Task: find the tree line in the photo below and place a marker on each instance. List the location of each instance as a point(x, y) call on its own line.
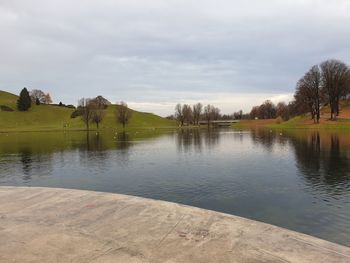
point(187, 114)
point(322, 85)
point(91, 111)
point(94, 111)
point(28, 98)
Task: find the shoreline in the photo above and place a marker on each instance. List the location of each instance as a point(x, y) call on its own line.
point(271, 124)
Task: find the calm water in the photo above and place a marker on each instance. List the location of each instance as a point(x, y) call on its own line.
point(300, 181)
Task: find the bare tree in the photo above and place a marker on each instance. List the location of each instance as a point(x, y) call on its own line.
point(39, 97)
point(335, 80)
point(101, 102)
point(48, 99)
point(85, 111)
point(215, 113)
point(197, 111)
point(98, 112)
point(187, 113)
point(308, 94)
point(282, 110)
point(208, 114)
point(269, 110)
point(179, 114)
point(123, 113)
point(254, 113)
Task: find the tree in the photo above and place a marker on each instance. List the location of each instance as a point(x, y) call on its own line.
point(282, 111)
point(308, 92)
point(335, 83)
point(215, 112)
point(123, 113)
point(254, 113)
point(85, 111)
point(179, 114)
point(197, 111)
point(238, 115)
point(208, 113)
point(267, 110)
point(48, 99)
point(98, 112)
point(187, 113)
point(101, 102)
point(24, 102)
point(39, 97)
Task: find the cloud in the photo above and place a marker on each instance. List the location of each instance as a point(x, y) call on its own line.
point(156, 53)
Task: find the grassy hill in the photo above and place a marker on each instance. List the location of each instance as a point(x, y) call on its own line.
point(8, 99)
point(304, 121)
point(50, 117)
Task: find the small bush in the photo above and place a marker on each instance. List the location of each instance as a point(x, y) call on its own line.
point(5, 108)
point(279, 120)
point(75, 114)
point(70, 106)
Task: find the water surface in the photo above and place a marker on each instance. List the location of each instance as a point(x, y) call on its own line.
point(298, 180)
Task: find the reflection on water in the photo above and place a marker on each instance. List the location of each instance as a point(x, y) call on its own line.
point(196, 139)
point(324, 163)
point(298, 180)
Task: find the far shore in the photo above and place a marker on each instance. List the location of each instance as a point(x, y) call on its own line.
point(296, 123)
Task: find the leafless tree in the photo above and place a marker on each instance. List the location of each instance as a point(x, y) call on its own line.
point(39, 97)
point(215, 113)
point(267, 110)
point(208, 113)
point(238, 115)
point(335, 82)
point(101, 102)
point(123, 113)
point(197, 111)
point(48, 99)
point(85, 111)
point(187, 114)
point(309, 91)
point(282, 111)
point(179, 114)
point(254, 113)
point(98, 112)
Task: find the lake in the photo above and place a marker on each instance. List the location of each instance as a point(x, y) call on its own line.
point(299, 180)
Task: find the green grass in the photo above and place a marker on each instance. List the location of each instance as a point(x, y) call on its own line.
point(299, 123)
point(8, 99)
point(49, 117)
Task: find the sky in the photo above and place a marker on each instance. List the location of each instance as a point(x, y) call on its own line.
point(154, 54)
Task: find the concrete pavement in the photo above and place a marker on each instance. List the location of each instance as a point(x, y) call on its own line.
point(62, 225)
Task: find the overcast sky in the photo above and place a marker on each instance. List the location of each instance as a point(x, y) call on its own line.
point(154, 54)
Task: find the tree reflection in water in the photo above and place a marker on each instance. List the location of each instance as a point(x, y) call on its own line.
point(195, 139)
point(323, 160)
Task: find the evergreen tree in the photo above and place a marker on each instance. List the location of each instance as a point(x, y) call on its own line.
point(24, 102)
point(37, 101)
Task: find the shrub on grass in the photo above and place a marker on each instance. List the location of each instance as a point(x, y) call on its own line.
point(5, 108)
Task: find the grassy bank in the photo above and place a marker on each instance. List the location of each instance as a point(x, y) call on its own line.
point(299, 122)
point(50, 118)
point(304, 121)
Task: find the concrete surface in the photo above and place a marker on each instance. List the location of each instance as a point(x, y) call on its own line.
point(59, 225)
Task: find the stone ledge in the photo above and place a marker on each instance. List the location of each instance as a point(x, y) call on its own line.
point(63, 225)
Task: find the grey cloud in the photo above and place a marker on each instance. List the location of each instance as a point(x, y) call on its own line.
point(150, 52)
